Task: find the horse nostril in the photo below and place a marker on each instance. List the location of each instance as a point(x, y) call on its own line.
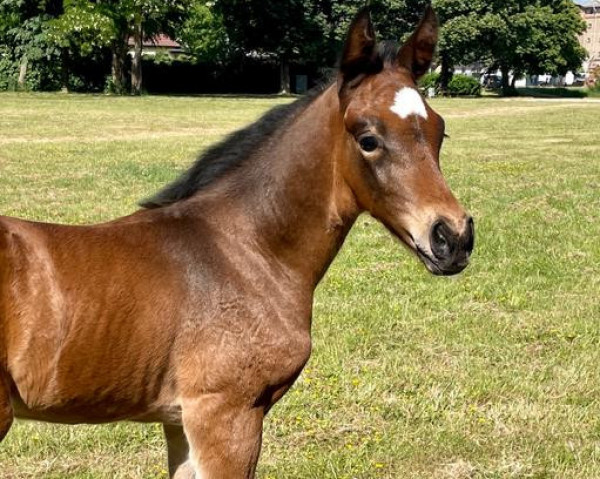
point(441, 238)
point(437, 230)
point(470, 236)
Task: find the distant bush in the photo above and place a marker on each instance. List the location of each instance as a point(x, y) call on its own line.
point(9, 72)
point(460, 85)
point(431, 80)
point(464, 85)
point(40, 76)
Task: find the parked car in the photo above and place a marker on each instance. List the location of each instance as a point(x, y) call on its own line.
point(579, 79)
point(491, 82)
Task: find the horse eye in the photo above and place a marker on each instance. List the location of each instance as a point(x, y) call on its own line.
point(368, 143)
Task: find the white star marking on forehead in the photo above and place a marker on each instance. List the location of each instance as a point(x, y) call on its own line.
point(408, 102)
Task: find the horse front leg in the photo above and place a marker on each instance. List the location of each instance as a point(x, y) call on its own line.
point(224, 437)
point(178, 453)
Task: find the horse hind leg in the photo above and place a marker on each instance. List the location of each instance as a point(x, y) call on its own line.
point(6, 410)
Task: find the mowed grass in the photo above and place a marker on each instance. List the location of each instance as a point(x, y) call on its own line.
point(494, 374)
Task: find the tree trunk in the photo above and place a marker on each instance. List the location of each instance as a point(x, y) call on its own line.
point(136, 63)
point(64, 70)
point(504, 69)
point(284, 76)
point(119, 54)
point(445, 75)
point(22, 73)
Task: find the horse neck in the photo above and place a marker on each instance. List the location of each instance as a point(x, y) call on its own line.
point(300, 206)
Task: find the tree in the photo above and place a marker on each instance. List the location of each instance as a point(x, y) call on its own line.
point(308, 30)
point(148, 18)
point(460, 35)
point(138, 19)
point(534, 37)
point(394, 19)
point(24, 41)
point(82, 29)
point(525, 36)
point(88, 25)
point(269, 28)
point(203, 33)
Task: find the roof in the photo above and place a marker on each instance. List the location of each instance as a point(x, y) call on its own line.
point(160, 40)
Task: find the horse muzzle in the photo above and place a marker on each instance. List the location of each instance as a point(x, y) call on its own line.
point(449, 250)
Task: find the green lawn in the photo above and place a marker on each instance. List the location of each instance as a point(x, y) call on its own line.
point(494, 374)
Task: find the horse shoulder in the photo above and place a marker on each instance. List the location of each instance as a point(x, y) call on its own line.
point(253, 345)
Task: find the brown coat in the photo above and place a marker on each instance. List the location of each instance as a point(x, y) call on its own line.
point(196, 311)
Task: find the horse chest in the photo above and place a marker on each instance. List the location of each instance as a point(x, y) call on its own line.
point(247, 348)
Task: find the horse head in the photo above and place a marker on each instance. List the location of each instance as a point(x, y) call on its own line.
point(392, 144)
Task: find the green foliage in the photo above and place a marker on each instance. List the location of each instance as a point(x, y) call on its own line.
point(86, 27)
point(158, 16)
point(464, 85)
point(203, 33)
point(535, 38)
point(83, 27)
point(283, 29)
point(309, 30)
point(459, 85)
point(460, 39)
point(162, 58)
point(24, 40)
point(430, 80)
point(9, 71)
point(394, 19)
point(525, 36)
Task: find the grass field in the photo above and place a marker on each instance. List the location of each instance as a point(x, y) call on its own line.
point(494, 374)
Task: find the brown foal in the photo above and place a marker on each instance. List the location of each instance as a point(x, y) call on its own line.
point(196, 310)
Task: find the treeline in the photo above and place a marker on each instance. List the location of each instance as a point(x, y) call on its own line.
point(84, 45)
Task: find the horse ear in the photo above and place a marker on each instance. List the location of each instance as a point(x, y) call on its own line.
point(417, 53)
point(358, 58)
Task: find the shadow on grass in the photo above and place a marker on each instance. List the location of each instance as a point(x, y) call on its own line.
point(224, 95)
point(550, 92)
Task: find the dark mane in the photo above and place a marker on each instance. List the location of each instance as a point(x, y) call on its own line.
point(236, 148)
point(387, 52)
point(230, 153)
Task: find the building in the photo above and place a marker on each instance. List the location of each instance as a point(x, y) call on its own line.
point(159, 44)
point(590, 39)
